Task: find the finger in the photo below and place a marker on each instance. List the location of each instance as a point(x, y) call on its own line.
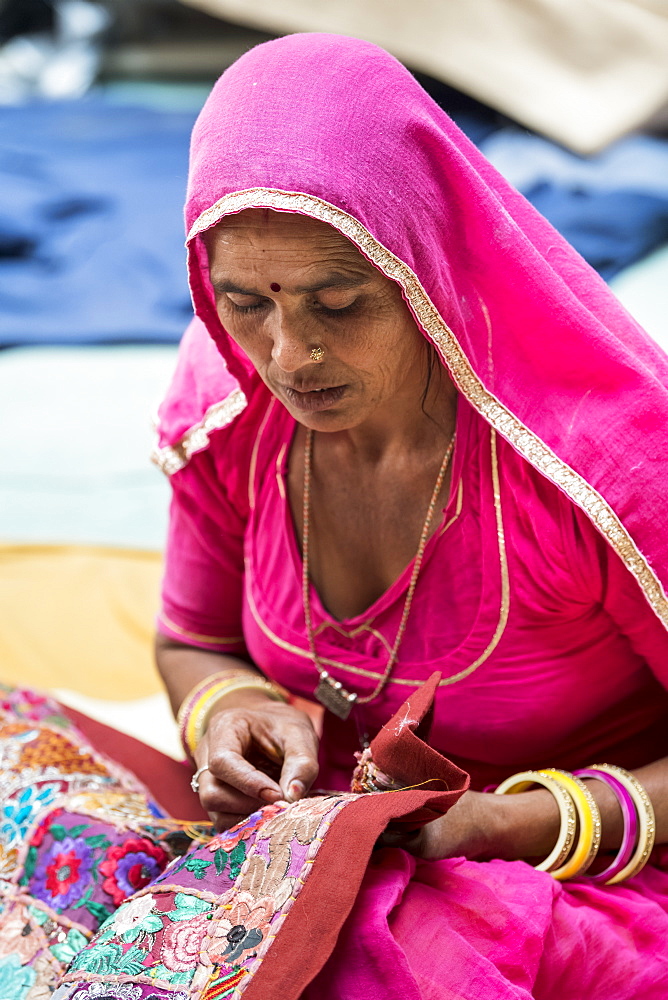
point(229, 743)
point(231, 767)
point(224, 821)
point(217, 796)
point(300, 762)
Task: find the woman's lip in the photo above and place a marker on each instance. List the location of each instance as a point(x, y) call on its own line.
point(314, 399)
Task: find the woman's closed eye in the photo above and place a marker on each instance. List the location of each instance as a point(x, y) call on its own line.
point(254, 303)
point(245, 303)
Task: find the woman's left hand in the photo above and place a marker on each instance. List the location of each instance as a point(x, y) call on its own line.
point(481, 825)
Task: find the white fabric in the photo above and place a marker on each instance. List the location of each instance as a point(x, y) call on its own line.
point(583, 72)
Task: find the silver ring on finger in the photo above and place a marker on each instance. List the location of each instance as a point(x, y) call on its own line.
point(194, 783)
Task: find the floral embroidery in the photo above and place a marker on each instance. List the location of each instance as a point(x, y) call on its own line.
point(119, 991)
point(186, 907)
point(62, 875)
point(228, 840)
point(205, 932)
point(45, 979)
point(41, 831)
point(66, 950)
point(262, 878)
point(199, 866)
point(182, 942)
point(239, 933)
point(131, 866)
point(107, 959)
point(64, 866)
point(110, 991)
point(17, 937)
point(299, 822)
point(21, 809)
point(15, 979)
point(130, 920)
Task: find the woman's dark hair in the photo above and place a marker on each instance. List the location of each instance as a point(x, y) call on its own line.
point(432, 362)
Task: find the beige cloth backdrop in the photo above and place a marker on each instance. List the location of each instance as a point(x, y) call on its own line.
point(583, 72)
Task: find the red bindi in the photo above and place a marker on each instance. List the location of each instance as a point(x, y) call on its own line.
point(275, 287)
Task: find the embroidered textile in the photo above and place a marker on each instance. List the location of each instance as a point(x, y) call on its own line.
point(95, 884)
point(242, 914)
point(78, 835)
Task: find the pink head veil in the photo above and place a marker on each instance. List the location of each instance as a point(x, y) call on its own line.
point(335, 128)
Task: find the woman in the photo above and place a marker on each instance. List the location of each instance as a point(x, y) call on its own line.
point(411, 430)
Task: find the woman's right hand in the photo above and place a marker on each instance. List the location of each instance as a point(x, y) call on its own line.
point(245, 727)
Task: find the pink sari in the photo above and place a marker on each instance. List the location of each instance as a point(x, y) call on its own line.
point(552, 641)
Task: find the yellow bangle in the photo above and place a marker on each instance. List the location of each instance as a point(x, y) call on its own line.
point(197, 689)
point(589, 817)
point(520, 783)
point(646, 822)
point(201, 710)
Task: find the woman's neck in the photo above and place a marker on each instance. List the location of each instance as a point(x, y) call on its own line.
point(410, 424)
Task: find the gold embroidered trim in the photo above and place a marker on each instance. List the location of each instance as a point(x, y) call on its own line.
point(458, 508)
point(365, 627)
point(535, 451)
point(279, 468)
point(215, 640)
point(173, 458)
point(503, 565)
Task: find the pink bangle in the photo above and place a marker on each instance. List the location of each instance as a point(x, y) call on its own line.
point(193, 696)
point(630, 817)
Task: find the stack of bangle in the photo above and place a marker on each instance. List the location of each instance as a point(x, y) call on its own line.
point(196, 707)
point(580, 831)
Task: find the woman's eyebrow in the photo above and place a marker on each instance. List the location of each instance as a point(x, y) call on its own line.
point(229, 286)
point(329, 281)
point(334, 280)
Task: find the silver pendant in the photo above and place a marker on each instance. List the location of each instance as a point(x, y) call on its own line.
point(334, 697)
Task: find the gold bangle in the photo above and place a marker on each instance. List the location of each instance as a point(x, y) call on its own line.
point(646, 821)
point(589, 818)
point(199, 717)
point(525, 779)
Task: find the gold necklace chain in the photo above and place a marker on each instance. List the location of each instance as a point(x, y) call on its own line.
point(329, 691)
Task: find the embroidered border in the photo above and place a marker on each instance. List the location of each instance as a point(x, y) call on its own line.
point(528, 444)
point(173, 458)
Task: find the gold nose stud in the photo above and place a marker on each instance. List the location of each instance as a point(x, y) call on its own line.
point(317, 354)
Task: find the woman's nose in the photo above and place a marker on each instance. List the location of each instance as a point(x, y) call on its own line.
point(291, 347)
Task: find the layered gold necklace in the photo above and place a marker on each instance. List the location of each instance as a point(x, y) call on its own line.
point(330, 692)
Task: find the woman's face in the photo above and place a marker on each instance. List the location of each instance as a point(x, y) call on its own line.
point(287, 285)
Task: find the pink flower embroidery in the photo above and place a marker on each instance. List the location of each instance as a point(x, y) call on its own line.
point(240, 933)
point(229, 839)
point(17, 937)
point(182, 943)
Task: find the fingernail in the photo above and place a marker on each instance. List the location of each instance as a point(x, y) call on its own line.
point(295, 790)
point(269, 795)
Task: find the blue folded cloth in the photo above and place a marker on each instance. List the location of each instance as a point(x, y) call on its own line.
point(612, 207)
point(91, 237)
point(91, 195)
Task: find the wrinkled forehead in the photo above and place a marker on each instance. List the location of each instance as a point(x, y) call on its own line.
point(281, 245)
point(269, 232)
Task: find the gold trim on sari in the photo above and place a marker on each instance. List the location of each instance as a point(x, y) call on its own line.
point(173, 458)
